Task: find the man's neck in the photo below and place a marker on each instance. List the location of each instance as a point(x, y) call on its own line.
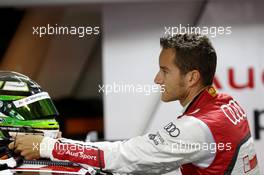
point(191, 95)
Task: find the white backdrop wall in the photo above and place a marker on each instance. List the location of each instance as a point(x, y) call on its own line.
point(130, 55)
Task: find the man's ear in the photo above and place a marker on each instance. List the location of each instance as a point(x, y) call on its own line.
point(193, 77)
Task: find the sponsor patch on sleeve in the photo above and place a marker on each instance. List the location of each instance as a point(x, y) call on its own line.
point(156, 138)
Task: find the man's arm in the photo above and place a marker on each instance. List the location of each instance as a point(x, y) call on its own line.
point(159, 152)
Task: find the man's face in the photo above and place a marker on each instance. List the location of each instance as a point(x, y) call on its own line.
point(170, 77)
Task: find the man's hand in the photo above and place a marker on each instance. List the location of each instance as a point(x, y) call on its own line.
point(27, 146)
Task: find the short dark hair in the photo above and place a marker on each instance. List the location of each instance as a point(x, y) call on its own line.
point(193, 52)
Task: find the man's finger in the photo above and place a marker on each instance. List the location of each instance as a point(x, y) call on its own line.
point(28, 158)
point(11, 145)
point(23, 153)
point(27, 155)
point(17, 149)
point(19, 138)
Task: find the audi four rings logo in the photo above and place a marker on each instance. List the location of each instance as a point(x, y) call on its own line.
point(233, 112)
point(172, 130)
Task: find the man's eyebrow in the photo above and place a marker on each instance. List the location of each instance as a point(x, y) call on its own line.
point(164, 67)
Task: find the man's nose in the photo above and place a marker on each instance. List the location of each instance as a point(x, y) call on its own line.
point(158, 78)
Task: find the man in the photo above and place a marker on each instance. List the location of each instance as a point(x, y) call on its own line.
point(212, 135)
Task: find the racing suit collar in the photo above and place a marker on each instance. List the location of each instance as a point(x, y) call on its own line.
point(185, 107)
point(207, 92)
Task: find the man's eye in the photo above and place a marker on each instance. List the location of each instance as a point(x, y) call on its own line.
point(165, 72)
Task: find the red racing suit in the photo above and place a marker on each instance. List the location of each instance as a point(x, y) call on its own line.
point(211, 137)
point(228, 123)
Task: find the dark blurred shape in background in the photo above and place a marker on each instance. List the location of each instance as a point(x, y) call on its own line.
point(68, 67)
point(10, 19)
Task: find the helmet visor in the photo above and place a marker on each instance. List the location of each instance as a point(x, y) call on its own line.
point(37, 106)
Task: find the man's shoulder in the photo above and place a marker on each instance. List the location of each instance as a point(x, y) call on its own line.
point(223, 96)
point(211, 106)
point(216, 102)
